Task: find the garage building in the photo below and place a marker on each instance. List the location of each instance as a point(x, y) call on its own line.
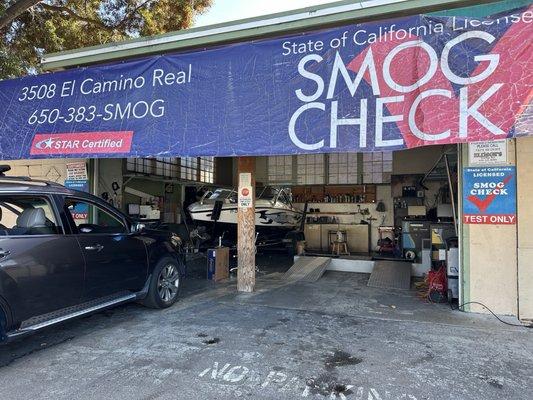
point(374, 205)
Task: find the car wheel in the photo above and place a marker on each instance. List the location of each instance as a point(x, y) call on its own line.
point(3, 324)
point(165, 284)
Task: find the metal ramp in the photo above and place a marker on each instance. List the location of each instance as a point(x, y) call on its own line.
point(391, 275)
point(307, 269)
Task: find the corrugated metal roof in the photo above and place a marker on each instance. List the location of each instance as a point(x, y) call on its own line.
point(301, 20)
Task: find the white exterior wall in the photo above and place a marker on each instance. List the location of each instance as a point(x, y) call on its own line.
point(54, 170)
point(524, 163)
point(490, 274)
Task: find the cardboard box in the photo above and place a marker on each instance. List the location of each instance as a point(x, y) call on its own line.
point(218, 264)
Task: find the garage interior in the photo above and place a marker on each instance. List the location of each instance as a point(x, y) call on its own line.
point(390, 214)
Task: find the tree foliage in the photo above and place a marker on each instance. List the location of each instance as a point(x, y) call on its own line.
point(30, 28)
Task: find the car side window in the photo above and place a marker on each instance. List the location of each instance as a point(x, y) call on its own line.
point(27, 215)
point(91, 218)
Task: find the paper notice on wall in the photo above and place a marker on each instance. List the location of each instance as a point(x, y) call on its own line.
point(77, 171)
point(245, 190)
point(488, 153)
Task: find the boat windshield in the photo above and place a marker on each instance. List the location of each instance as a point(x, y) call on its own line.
point(224, 194)
point(266, 193)
point(270, 193)
point(285, 197)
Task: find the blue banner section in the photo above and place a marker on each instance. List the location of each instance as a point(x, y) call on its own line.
point(489, 195)
point(377, 86)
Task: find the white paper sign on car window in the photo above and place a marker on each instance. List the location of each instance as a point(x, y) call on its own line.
point(245, 190)
point(488, 153)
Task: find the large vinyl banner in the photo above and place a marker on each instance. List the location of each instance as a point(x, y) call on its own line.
point(376, 86)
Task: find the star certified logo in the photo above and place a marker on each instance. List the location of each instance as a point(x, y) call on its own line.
point(45, 144)
point(108, 142)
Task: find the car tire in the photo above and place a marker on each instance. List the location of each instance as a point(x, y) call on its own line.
point(4, 324)
point(165, 284)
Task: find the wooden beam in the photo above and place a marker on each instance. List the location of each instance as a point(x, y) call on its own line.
point(246, 231)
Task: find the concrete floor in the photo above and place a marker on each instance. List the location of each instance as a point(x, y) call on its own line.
point(335, 338)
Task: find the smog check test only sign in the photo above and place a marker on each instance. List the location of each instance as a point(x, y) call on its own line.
point(489, 195)
point(245, 190)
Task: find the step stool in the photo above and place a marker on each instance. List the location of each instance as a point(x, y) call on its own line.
point(339, 248)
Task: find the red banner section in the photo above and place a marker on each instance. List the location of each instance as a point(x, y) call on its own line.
point(81, 143)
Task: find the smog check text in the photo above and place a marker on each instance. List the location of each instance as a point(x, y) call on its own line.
point(319, 97)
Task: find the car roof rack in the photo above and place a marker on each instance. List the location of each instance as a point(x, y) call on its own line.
point(28, 181)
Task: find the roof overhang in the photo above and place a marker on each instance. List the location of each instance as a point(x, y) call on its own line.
point(333, 14)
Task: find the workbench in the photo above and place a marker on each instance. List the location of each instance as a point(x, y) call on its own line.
point(357, 236)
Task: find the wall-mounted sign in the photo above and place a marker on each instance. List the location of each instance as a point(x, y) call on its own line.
point(77, 171)
point(487, 153)
point(81, 210)
point(489, 195)
point(374, 86)
point(245, 190)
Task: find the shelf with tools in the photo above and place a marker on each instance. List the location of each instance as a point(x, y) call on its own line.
point(334, 194)
point(331, 213)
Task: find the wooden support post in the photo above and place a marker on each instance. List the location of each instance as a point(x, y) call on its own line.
point(246, 226)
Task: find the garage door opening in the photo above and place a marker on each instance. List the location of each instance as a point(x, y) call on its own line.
point(392, 210)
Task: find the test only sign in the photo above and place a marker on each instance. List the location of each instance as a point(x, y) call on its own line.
point(245, 190)
point(80, 210)
point(489, 195)
point(77, 179)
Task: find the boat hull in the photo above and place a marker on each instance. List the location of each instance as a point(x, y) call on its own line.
point(265, 216)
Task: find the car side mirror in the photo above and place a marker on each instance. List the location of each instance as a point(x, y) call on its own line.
point(137, 227)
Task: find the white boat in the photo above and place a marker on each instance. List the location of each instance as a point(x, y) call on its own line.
point(273, 209)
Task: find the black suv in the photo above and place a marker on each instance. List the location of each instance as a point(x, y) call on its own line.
point(65, 253)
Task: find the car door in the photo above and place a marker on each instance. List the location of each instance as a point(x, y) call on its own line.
point(42, 268)
point(116, 260)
